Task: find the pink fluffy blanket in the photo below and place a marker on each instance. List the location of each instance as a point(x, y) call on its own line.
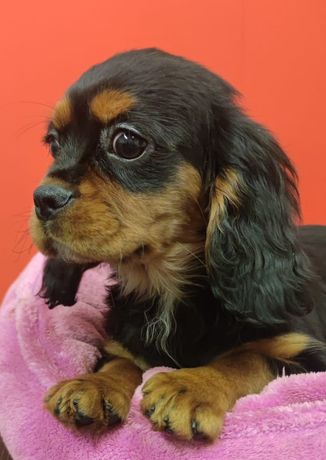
point(38, 347)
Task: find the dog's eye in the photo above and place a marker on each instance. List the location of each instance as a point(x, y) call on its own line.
point(52, 140)
point(129, 145)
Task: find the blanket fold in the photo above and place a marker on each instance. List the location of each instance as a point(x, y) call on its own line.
point(39, 347)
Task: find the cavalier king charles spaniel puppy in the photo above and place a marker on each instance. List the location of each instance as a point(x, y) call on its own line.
point(158, 172)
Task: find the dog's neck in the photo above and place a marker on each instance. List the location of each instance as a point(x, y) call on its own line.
point(163, 276)
point(151, 274)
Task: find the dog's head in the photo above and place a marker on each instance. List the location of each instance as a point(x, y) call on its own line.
point(153, 159)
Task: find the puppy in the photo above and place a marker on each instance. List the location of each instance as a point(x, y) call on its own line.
point(157, 171)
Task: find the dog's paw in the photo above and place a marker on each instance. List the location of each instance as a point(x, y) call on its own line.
point(92, 400)
point(189, 403)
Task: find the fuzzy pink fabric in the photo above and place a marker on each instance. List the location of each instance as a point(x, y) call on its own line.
point(38, 347)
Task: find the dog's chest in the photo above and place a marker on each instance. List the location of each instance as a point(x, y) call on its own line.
point(199, 332)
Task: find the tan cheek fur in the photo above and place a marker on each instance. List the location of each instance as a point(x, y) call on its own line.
point(108, 223)
point(38, 236)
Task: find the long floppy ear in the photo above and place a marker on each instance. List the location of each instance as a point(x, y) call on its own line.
point(255, 266)
point(61, 281)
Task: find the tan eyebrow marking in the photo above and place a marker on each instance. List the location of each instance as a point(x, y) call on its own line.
point(62, 113)
point(108, 104)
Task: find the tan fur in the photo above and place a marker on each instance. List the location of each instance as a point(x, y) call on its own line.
point(282, 347)
point(194, 401)
point(36, 230)
point(227, 191)
point(247, 367)
point(115, 349)
point(62, 113)
point(108, 104)
point(175, 400)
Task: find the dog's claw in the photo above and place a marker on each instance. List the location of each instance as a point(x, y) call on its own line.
point(150, 411)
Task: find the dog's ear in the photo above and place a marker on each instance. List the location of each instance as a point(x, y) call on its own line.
point(61, 281)
point(255, 266)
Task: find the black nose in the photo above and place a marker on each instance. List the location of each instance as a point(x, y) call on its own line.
point(49, 199)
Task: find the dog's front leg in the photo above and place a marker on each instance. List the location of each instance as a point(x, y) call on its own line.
point(191, 403)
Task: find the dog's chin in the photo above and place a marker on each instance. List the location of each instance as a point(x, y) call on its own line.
point(69, 255)
point(57, 249)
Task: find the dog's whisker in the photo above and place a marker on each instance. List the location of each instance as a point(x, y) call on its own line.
point(28, 127)
point(37, 103)
point(20, 247)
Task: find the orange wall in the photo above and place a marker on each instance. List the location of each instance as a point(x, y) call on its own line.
point(272, 50)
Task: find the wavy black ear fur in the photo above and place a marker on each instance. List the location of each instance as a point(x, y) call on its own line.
point(256, 267)
point(61, 281)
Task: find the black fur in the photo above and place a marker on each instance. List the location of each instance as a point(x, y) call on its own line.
point(265, 276)
point(61, 281)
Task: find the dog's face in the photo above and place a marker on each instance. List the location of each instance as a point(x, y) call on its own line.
point(128, 142)
point(154, 160)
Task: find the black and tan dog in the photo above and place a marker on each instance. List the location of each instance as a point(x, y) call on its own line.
point(158, 171)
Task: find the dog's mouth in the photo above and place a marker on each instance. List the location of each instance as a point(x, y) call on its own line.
point(53, 247)
point(74, 250)
point(68, 254)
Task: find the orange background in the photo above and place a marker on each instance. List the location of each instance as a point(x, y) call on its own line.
point(273, 51)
